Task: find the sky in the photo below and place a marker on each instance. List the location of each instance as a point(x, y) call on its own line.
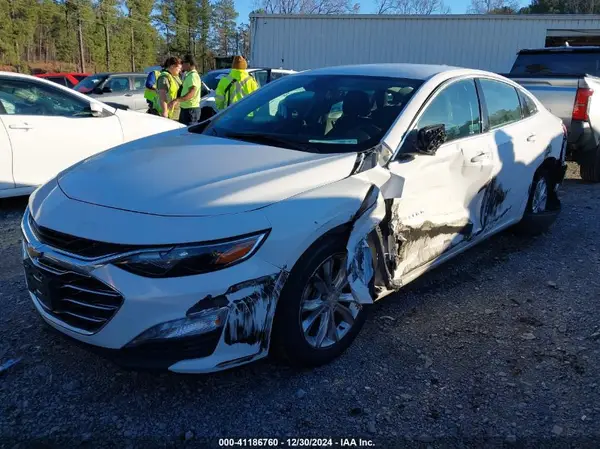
point(366, 6)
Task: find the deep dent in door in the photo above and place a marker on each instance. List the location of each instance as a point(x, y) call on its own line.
point(380, 241)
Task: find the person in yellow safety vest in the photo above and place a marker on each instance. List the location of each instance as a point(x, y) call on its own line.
point(150, 91)
point(189, 101)
point(169, 87)
point(235, 86)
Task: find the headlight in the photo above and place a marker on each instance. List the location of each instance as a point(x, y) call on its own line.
point(188, 260)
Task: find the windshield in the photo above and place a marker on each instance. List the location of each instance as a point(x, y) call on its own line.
point(88, 84)
point(318, 113)
point(211, 79)
point(557, 63)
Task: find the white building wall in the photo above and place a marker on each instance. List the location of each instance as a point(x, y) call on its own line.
point(487, 42)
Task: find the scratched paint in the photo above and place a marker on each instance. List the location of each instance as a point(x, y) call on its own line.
point(252, 307)
point(492, 209)
point(360, 263)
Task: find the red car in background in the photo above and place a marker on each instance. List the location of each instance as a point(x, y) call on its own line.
point(66, 79)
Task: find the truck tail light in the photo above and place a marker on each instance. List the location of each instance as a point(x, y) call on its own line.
point(582, 103)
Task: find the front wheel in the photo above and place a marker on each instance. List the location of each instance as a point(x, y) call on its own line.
point(317, 317)
point(543, 205)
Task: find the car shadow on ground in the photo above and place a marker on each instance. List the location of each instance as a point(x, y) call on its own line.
point(12, 205)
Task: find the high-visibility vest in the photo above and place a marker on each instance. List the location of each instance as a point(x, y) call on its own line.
point(234, 87)
point(150, 94)
point(174, 85)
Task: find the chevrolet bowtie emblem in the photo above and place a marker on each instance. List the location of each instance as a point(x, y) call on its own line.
point(33, 252)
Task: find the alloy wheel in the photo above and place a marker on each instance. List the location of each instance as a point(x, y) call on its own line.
point(327, 308)
point(540, 196)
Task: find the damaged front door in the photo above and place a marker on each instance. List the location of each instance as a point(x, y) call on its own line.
point(434, 212)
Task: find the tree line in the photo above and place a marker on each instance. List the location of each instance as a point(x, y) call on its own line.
point(116, 35)
point(120, 35)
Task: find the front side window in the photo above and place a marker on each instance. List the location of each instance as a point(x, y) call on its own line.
point(27, 98)
point(117, 84)
point(456, 107)
point(502, 102)
point(317, 113)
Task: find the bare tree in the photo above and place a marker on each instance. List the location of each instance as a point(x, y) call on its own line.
point(307, 6)
point(411, 7)
point(491, 6)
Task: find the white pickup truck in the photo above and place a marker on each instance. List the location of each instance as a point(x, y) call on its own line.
point(567, 82)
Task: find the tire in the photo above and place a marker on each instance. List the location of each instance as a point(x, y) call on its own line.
point(289, 342)
point(589, 168)
point(542, 208)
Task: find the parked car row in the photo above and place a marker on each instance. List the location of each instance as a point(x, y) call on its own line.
point(272, 227)
point(125, 90)
point(68, 79)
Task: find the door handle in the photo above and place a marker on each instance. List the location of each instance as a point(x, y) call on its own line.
point(129, 95)
point(21, 126)
point(480, 157)
point(531, 138)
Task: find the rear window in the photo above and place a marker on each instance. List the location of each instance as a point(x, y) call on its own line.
point(89, 83)
point(211, 79)
point(58, 80)
point(557, 63)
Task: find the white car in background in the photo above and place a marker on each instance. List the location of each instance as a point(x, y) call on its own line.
point(277, 223)
point(45, 128)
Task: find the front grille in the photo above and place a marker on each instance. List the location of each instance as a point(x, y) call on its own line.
point(78, 300)
point(77, 245)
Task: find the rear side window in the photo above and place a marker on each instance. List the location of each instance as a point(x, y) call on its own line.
point(260, 76)
point(557, 63)
point(58, 80)
point(527, 105)
point(456, 107)
point(502, 103)
point(139, 82)
point(276, 75)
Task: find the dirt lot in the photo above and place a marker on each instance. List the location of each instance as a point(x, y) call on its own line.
point(498, 348)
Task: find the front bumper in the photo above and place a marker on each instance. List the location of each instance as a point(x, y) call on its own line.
point(248, 290)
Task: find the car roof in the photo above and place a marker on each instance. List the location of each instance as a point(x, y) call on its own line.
point(118, 73)
point(392, 70)
point(42, 75)
point(251, 69)
point(562, 49)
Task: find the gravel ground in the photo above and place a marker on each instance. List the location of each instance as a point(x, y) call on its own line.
point(499, 347)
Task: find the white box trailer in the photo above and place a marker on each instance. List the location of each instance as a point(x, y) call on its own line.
point(488, 42)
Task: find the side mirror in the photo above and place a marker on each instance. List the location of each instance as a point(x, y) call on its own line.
point(107, 90)
point(96, 109)
point(430, 138)
point(97, 91)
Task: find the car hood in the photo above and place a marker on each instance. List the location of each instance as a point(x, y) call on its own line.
point(179, 173)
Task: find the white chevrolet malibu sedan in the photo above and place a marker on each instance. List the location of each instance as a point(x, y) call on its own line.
point(274, 226)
